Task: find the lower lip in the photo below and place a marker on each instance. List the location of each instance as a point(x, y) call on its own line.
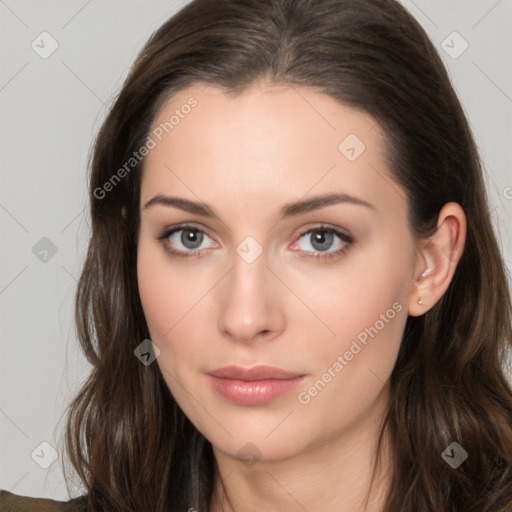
point(255, 392)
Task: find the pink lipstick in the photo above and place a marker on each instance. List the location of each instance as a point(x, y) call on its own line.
point(253, 386)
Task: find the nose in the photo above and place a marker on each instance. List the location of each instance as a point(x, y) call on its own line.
point(250, 308)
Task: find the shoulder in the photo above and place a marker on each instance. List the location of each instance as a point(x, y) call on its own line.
point(10, 502)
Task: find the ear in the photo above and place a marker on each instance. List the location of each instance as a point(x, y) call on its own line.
point(437, 259)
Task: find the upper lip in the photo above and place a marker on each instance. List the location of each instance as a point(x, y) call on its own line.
point(254, 373)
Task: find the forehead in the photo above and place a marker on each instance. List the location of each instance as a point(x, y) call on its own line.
point(267, 142)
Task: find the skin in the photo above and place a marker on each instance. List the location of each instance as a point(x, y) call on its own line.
point(246, 157)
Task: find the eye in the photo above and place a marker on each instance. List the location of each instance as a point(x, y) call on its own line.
point(326, 242)
point(184, 240)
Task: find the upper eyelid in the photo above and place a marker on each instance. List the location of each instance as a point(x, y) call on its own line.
point(325, 227)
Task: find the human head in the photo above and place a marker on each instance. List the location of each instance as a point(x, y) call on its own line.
point(369, 55)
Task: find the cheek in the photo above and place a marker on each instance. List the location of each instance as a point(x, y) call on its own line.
point(166, 292)
point(352, 296)
point(351, 367)
point(175, 303)
point(155, 292)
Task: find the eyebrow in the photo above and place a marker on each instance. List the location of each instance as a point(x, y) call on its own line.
point(288, 210)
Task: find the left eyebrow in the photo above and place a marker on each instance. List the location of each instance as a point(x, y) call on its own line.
point(288, 210)
point(317, 202)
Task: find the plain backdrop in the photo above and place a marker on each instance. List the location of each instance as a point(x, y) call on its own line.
point(52, 107)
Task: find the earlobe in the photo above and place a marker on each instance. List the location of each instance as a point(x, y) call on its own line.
point(439, 256)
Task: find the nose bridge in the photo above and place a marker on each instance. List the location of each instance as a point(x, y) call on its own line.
point(249, 305)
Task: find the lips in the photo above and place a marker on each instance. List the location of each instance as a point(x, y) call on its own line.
point(253, 386)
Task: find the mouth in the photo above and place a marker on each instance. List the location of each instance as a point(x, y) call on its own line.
point(253, 386)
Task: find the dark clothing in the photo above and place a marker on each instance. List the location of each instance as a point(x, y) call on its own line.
point(10, 502)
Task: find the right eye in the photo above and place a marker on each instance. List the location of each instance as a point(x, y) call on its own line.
point(184, 241)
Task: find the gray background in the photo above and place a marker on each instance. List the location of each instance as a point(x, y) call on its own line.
point(50, 110)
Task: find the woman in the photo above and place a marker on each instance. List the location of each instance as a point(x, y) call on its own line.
point(293, 297)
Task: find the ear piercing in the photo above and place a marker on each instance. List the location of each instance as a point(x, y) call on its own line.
point(420, 302)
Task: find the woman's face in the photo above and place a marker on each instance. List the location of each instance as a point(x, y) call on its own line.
point(254, 268)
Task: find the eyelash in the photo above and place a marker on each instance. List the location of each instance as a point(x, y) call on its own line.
point(327, 256)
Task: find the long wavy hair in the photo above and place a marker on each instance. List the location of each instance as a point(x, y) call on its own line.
point(129, 442)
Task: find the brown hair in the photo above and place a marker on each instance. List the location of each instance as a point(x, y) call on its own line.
point(131, 444)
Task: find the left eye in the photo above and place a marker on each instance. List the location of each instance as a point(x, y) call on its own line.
point(323, 239)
